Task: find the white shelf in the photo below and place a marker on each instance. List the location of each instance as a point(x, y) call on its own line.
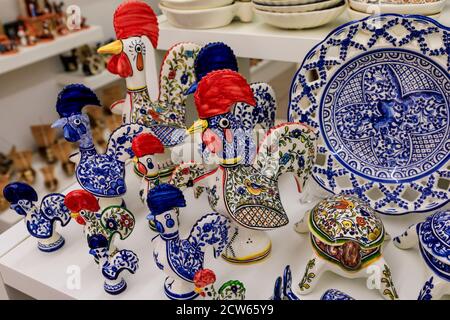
point(44, 276)
point(267, 70)
point(259, 40)
point(45, 50)
point(94, 82)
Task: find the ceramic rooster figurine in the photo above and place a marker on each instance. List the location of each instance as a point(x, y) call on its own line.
point(40, 221)
point(112, 221)
point(204, 285)
point(148, 103)
point(100, 229)
point(247, 193)
point(179, 258)
point(103, 175)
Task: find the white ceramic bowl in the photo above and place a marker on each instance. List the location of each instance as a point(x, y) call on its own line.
point(356, 15)
point(208, 18)
point(298, 8)
point(284, 2)
point(195, 4)
point(302, 20)
point(425, 9)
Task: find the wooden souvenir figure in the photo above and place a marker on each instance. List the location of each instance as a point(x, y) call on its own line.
point(102, 174)
point(40, 221)
point(100, 230)
point(179, 258)
point(6, 164)
point(62, 150)
point(22, 162)
point(45, 137)
point(204, 285)
point(4, 180)
point(146, 103)
point(50, 181)
point(347, 237)
point(432, 236)
point(245, 184)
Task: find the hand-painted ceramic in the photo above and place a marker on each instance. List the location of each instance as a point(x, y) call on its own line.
point(346, 236)
point(100, 229)
point(180, 258)
point(376, 91)
point(40, 221)
point(335, 295)
point(425, 9)
point(244, 186)
point(204, 281)
point(298, 8)
point(433, 238)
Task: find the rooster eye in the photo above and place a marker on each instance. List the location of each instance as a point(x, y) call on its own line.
point(224, 123)
point(77, 122)
point(138, 48)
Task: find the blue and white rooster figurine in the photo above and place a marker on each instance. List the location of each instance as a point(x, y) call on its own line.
point(40, 221)
point(179, 258)
point(103, 175)
point(101, 229)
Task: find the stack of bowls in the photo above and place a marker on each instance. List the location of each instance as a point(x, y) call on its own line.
point(298, 14)
point(205, 14)
point(359, 9)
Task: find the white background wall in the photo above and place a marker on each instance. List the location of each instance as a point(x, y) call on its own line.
point(28, 95)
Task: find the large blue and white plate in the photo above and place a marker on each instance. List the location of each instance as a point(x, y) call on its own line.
point(377, 91)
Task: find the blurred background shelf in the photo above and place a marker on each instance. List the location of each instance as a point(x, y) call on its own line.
point(94, 82)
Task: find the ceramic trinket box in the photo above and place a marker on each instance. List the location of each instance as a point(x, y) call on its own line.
point(178, 258)
point(100, 229)
point(433, 239)
point(347, 237)
point(40, 222)
point(204, 281)
point(245, 184)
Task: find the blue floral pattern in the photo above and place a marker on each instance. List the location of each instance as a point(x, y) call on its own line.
point(434, 234)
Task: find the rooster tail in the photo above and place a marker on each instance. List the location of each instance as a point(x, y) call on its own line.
point(232, 290)
point(289, 147)
point(212, 229)
point(188, 175)
point(54, 209)
point(121, 261)
point(117, 220)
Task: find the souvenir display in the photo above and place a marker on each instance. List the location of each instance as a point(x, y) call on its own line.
point(180, 259)
point(6, 164)
point(40, 222)
point(4, 180)
point(378, 99)
point(307, 16)
point(62, 150)
point(100, 230)
point(208, 18)
point(283, 289)
point(84, 58)
point(103, 175)
point(245, 184)
point(204, 285)
point(433, 239)
point(347, 238)
point(425, 8)
point(50, 181)
point(45, 137)
point(22, 162)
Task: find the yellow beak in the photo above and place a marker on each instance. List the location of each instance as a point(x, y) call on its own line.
point(198, 290)
point(198, 126)
point(114, 47)
point(74, 215)
point(135, 159)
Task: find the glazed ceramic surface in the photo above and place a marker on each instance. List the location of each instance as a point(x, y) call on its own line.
point(208, 18)
point(284, 2)
point(40, 221)
point(298, 8)
point(195, 4)
point(301, 20)
point(426, 9)
point(376, 91)
point(346, 236)
point(204, 281)
point(356, 15)
point(433, 238)
point(335, 295)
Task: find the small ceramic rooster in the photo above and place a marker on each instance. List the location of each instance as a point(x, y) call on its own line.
point(179, 258)
point(204, 285)
point(40, 221)
point(100, 230)
point(102, 174)
point(248, 193)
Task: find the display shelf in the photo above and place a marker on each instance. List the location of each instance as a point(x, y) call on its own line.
point(45, 50)
point(259, 40)
point(94, 82)
point(45, 276)
point(267, 70)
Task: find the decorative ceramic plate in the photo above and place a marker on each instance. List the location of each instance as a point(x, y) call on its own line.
point(195, 4)
point(298, 8)
point(377, 91)
point(284, 2)
point(301, 20)
point(425, 9)
point(356, 15)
